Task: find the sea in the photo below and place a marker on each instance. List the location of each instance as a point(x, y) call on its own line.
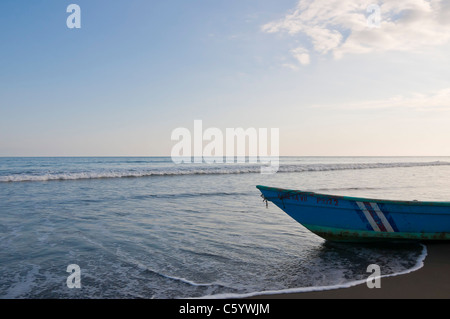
point(147, 227)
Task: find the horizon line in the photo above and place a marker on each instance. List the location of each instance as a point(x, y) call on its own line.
point(91, 156)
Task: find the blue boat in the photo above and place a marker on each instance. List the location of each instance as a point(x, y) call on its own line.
point(352, 219)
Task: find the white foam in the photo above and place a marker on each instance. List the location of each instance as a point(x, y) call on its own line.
point(206, 169)
point(22, 285)
point(419, 264)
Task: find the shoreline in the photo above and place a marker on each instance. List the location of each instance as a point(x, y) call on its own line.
point(431, 281)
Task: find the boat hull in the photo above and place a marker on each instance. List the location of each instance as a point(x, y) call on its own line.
point(351, 219)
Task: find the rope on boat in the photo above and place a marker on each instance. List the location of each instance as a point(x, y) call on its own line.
point(265, 200)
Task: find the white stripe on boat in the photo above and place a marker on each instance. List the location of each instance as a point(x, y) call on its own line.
point(368, 216)
point(380, 214)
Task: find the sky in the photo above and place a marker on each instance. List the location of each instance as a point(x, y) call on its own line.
point(336, 77)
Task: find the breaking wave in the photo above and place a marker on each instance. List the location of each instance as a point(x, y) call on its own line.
point(204, 169)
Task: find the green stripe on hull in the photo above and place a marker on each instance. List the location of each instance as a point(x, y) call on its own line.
point(346, 235)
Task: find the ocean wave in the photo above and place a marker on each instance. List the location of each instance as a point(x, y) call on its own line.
point(211, 169)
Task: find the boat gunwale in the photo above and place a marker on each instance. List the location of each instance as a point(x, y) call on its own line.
point(358, 199)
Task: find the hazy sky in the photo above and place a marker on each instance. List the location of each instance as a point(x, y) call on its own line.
point(333, 83)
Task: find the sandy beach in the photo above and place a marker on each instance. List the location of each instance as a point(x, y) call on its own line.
point(432, 281)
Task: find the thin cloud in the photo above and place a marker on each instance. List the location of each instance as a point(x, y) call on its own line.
point(290, 66)
point(342, 27)
point(301, 55)
point(436, 100)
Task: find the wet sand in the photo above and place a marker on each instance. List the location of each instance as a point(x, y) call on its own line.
point(432, 281)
